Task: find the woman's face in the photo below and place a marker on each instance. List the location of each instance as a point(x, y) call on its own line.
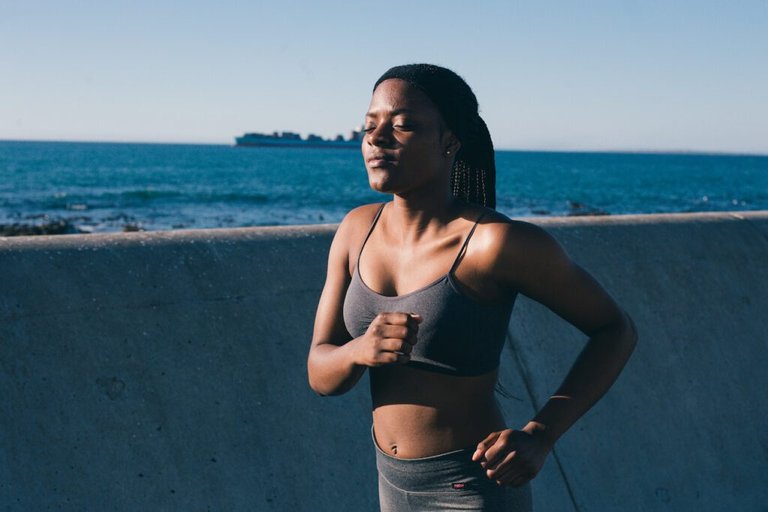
point(405, 140)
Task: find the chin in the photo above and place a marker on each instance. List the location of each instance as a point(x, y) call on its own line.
point(380, 183)
point(381, 187)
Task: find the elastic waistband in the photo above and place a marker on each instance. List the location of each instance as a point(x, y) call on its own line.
point(453, 471)
point(451, 476)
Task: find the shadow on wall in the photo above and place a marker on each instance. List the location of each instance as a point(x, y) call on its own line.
point(166, 370)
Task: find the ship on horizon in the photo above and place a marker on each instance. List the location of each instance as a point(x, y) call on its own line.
point(291, 139)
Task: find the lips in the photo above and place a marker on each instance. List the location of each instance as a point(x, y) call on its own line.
point(379, 159)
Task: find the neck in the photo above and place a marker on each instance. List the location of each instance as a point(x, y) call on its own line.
point(413, 216)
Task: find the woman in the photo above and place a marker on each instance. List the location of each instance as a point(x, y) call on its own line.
point(419, 291)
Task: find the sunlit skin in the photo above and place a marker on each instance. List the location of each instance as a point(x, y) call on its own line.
point(409, 153)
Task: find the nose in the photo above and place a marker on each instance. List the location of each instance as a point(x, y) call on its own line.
point(380, 136)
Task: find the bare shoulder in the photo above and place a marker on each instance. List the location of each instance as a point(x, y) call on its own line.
point(350, 233)
point(360, 216)
point(504, 235)
point(356, 222)
point(514, 250)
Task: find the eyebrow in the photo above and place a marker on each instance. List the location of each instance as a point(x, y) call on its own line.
point(393, 113)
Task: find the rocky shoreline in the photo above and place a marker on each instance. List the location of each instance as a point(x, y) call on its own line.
point(52, 227)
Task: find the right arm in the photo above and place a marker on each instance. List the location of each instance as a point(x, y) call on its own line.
point(336, 362)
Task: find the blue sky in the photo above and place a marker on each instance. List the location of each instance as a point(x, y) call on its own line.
point(561, 75)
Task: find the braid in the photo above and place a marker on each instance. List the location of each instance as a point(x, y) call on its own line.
point(473, 177)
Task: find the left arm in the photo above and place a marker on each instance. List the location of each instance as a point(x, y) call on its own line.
point(532, 262)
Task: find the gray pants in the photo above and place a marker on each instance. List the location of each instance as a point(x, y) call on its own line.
point(448, 481)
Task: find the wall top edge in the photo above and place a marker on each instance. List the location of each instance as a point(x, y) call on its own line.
point(223, 235)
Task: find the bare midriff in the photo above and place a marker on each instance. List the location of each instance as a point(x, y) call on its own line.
point(417, 413)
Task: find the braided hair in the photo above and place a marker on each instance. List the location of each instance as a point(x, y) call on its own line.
point(473, 177)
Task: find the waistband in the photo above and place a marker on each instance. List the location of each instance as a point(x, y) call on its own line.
point(451, 475)
point(433, 472)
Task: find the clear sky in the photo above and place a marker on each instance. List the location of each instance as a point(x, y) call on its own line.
point(564, 75)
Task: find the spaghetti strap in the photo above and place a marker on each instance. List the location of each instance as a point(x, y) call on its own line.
point(464, 245)
point(370, 230)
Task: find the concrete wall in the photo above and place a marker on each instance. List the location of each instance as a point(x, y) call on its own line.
point(166, 371)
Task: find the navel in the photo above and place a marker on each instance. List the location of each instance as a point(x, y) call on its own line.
point(394, 449)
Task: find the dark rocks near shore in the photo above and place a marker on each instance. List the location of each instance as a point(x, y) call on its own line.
point(41, 224)
point(577, 209)
point(131, 227)
point(51, 227)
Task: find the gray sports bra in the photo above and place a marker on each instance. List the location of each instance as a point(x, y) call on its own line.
point(458, 335)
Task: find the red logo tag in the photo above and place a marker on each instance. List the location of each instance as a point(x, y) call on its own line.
point(458, 485)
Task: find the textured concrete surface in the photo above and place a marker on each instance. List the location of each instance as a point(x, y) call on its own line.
point(166, 371)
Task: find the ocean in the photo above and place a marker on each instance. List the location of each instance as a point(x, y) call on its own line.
point(103, 187)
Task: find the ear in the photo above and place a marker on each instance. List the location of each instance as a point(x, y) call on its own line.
point(451, 144)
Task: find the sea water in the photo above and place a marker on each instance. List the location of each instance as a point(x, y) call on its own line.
point(116, 186)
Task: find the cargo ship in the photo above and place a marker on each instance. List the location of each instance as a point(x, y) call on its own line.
point(294, 140)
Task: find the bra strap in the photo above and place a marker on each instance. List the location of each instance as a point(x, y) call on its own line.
point(370, 230)
point(464, 245)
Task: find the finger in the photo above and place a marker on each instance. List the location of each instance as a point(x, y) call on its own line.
point(414, 320)
point(503, 464)
point(393, 331)
point(409, 320)
point(384, 330)
point(396, 345)
point(385, 358)
point(501, 448)
point(387, 330)
point(483, 446)
point(506, 472)
point(516, 472)
point(396, 318)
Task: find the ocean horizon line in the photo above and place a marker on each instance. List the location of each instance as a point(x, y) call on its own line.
point(106, 186)
point(619, 151)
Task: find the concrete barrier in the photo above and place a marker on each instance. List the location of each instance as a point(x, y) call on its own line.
point(166, 371)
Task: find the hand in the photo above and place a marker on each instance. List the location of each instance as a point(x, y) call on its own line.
point(389, 339)
point(513, 457)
